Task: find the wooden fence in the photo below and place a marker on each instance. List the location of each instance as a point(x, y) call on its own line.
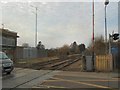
point(104, 63)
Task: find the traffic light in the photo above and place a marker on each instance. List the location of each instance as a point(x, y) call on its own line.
point(115, 36)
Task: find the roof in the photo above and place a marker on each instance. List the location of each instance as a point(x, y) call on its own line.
point(8, 32)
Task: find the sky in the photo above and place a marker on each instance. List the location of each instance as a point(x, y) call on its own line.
point(59, 23)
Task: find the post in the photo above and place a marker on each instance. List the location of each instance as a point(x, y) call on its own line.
point(36, 29)
point(106, 31)
point(35, 24)
point(110, 44)
point(93, 38)
point(106, 3)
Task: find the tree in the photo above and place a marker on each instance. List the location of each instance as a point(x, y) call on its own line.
point(81, 47)
point(40, 45)
point(25, 45)
point(99, 46)
point(52, 52)
point(64, 50)
point(74, 48)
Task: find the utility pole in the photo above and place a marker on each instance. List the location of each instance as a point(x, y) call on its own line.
point(36, 28)
point(93, 38)
point(106, 3)
point(36, 9)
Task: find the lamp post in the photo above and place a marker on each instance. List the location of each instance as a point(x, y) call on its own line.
point(106, 3)
point(36, 9)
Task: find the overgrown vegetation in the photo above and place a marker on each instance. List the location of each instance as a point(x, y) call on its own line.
point(66, 50)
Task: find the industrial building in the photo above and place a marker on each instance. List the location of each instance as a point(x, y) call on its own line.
point(8, 42)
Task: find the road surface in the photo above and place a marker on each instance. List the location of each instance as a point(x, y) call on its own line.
point(28, 78)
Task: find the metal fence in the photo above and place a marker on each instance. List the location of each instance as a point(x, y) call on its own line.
point(29, 53)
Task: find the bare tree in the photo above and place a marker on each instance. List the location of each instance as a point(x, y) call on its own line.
point(64, 49)
point(81, 47)
point(99, 46)
point(74, 48)
point(52, 52)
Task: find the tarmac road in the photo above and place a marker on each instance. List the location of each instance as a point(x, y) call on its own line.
point(82, 80)
point(28, 78)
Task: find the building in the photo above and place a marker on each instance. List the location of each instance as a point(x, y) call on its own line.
point(8, 42)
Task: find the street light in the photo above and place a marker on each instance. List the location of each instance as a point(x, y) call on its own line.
point(106, 3)
point(36, 9)
point(35, 24)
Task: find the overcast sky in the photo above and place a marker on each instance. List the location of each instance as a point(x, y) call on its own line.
point(59, 23)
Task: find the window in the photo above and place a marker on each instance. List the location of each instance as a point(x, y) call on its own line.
point(3, 56)
point(8, 41)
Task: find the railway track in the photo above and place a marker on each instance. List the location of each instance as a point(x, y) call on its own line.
point(58, 65)
point(61, 65)
point(39, 65)
point(47, 64)
point(52, 64)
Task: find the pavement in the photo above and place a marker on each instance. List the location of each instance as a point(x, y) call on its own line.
point(28, 78)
